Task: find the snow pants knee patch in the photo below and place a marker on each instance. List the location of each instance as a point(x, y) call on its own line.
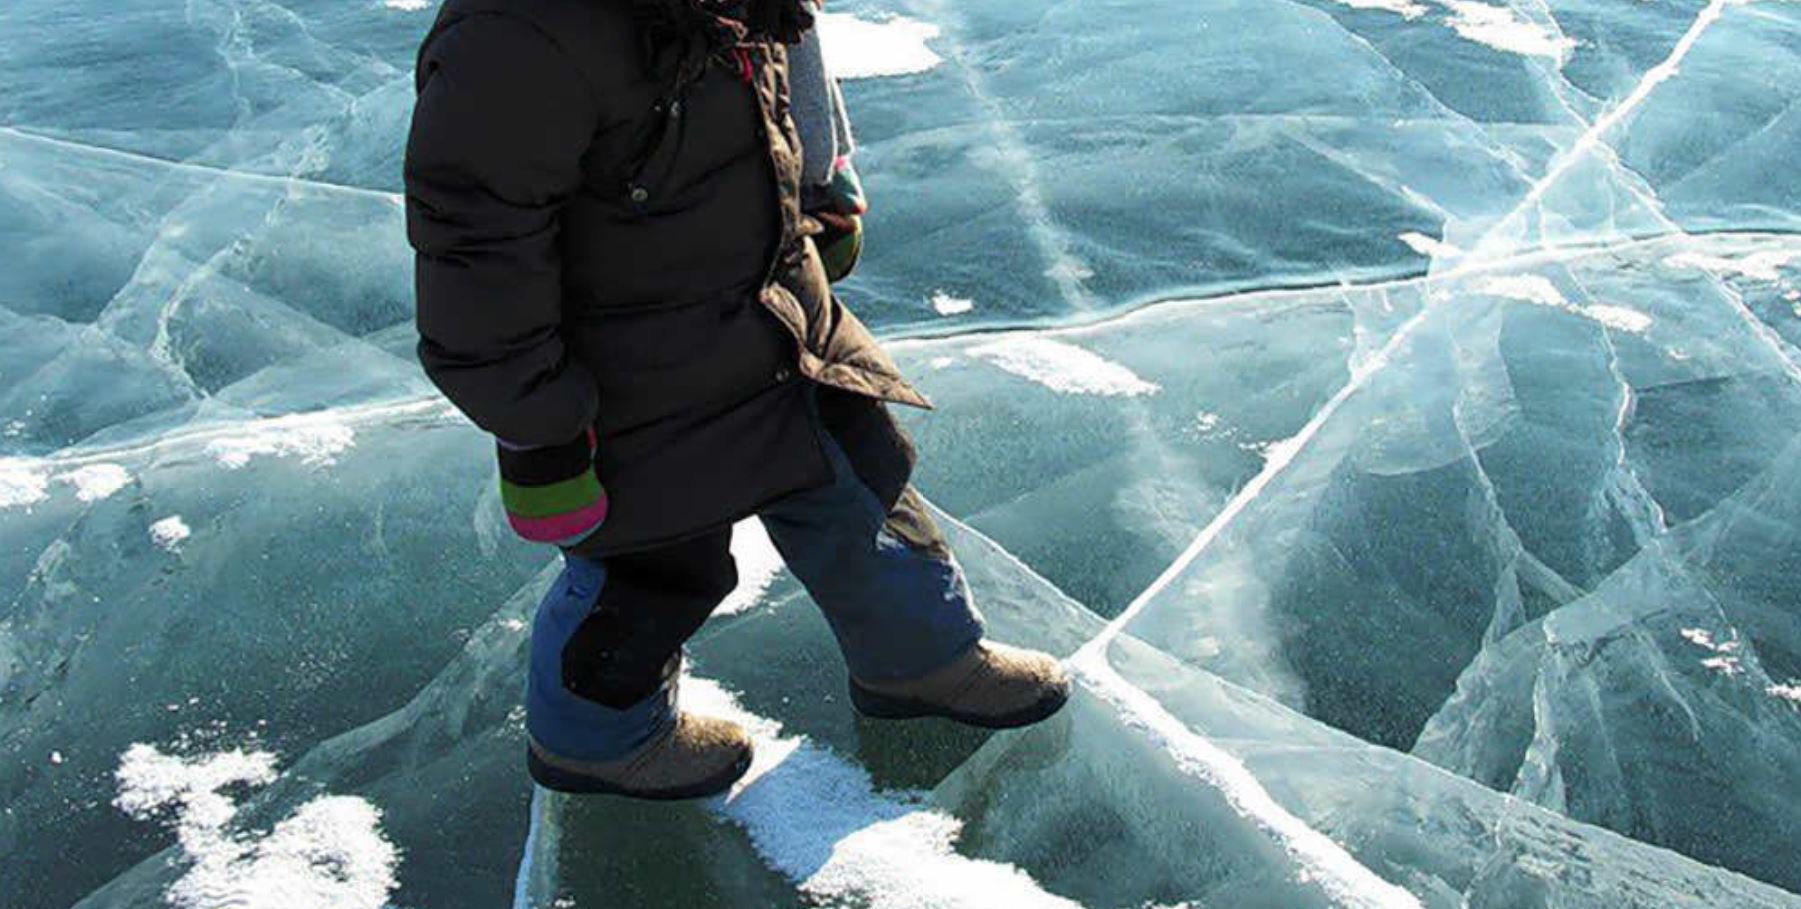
point(629, 646)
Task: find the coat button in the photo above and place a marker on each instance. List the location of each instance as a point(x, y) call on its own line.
point(783, 374)
point(640, 195)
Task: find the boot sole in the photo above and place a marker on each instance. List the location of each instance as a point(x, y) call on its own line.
point(883, 707)
point(559, 780)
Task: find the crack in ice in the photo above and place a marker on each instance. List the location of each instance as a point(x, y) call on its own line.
point(1091, 661)
point(1064, 267)
point(204, 170)
point(1321, 861)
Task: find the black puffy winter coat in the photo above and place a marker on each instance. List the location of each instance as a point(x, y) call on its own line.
point(609, 235)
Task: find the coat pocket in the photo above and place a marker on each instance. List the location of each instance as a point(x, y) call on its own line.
point(703, 471)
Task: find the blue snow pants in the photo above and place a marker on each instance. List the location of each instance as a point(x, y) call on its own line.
point(606, 642)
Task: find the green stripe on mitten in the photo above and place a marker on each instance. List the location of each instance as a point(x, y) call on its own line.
point(552, 494)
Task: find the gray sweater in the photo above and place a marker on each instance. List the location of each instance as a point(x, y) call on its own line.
point(818, 111)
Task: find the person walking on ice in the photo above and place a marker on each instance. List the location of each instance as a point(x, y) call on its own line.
point(619, 276)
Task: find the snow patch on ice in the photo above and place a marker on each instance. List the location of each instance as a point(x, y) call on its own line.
point(1539, 291)
point(1764, 266)
point(1504, 29)
point(1725, 660)
point(1499, 27)
point(1404, 8)
point(1790, 692)
point(1535, 289)
point(330, 854)
point(1618, 317)
point(1429, 246)
point(1276, 450)
point(758, 565)
point(1063, 367)
point(94, 482)
point(316, 440)
point(407, 6)
point(867, 48)
point(170, 532)
point(22, 484)
point(947, 305)
point(1724, 665)
point(1699, 637)
point(150, 780)
point(818, 819)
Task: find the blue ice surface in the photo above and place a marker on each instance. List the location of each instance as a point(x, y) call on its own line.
point(1389, 406)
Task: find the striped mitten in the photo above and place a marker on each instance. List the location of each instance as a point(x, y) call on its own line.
point(840, 242)
point(552, 494)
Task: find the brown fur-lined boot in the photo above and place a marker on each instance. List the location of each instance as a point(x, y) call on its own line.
point(993, 686)
point(697, 757)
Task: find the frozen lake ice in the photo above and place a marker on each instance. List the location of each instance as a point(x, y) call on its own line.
point(1392, 409)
